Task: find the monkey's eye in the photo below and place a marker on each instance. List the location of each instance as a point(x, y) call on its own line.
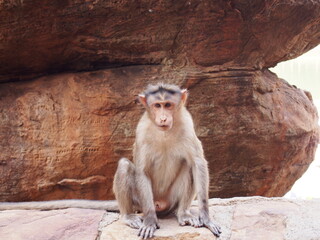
point(157, 105)
point(167, 105)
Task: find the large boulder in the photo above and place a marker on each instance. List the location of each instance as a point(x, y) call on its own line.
point(61, 136)
point(40, 37)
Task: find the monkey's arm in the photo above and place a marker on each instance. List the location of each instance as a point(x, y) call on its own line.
point(145, 193)
point(150, 221)
point(201, 178)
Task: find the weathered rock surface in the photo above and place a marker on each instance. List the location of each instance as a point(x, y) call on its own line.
point(61, 136)
point(41, 37)
point(71, 224)
point(240, 219)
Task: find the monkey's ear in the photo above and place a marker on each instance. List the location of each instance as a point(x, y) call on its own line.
point(142, 99)
point(184, 96)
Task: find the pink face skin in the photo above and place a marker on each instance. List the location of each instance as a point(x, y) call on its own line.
point(162, 113)
point(162, 106)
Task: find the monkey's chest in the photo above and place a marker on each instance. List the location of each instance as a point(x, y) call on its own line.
point(164, 172)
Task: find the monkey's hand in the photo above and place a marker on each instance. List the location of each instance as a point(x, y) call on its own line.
point(208, 223)
point(149, 225)
point(187, 218)
point(133, 220)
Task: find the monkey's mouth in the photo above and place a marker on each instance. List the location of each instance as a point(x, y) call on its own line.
point(164, 127)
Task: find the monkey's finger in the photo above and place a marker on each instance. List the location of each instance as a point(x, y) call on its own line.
point(194, 222)
point(216, 226)
point(201, 222)
point(190, 222)
point(141, 231)
point(219, 229)
point(197, 222)
point(150, 233)
point(136, 225)
point(145, 235)
point(213, 228)
point(182, 223)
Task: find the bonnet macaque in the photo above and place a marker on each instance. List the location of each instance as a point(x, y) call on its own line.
point(168, 169)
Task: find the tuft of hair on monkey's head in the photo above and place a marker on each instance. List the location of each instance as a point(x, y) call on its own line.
point(162, 101)
point(163, 92)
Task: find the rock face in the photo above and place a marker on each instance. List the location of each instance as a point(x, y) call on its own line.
point(41, 37)
point(63, 135)
point(240, 219)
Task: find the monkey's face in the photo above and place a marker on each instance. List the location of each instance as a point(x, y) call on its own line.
point(162, 103)
point(162, 114)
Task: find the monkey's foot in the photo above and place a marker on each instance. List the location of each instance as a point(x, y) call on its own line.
point(188, 218)
point(212, 226)
point(133, 220)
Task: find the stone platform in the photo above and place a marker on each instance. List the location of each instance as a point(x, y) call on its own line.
point(240, 218)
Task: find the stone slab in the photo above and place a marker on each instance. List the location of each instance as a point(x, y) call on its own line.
point(249, 218)
point(66, 224)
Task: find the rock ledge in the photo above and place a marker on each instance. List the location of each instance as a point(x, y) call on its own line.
point(240, 218)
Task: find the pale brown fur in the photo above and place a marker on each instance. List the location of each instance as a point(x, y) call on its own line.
point(168, 170)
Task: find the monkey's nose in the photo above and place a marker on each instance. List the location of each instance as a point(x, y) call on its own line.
point(163, 119)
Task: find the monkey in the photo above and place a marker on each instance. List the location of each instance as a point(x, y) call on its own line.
point(169, 168)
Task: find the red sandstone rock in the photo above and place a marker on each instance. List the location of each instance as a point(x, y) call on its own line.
point(42, 37)
point(61, 136)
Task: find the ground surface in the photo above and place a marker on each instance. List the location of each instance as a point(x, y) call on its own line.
point(240, 218)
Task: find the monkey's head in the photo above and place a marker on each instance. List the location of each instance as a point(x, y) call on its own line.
point(163, 102)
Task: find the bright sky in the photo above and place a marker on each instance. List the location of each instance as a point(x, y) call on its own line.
point(304, 72)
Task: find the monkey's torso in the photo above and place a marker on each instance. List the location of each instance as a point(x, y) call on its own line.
point(164, 151)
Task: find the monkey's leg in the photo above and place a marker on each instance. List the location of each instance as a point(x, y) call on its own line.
point(201, 181)
point(124, 190)
point(183, 193)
